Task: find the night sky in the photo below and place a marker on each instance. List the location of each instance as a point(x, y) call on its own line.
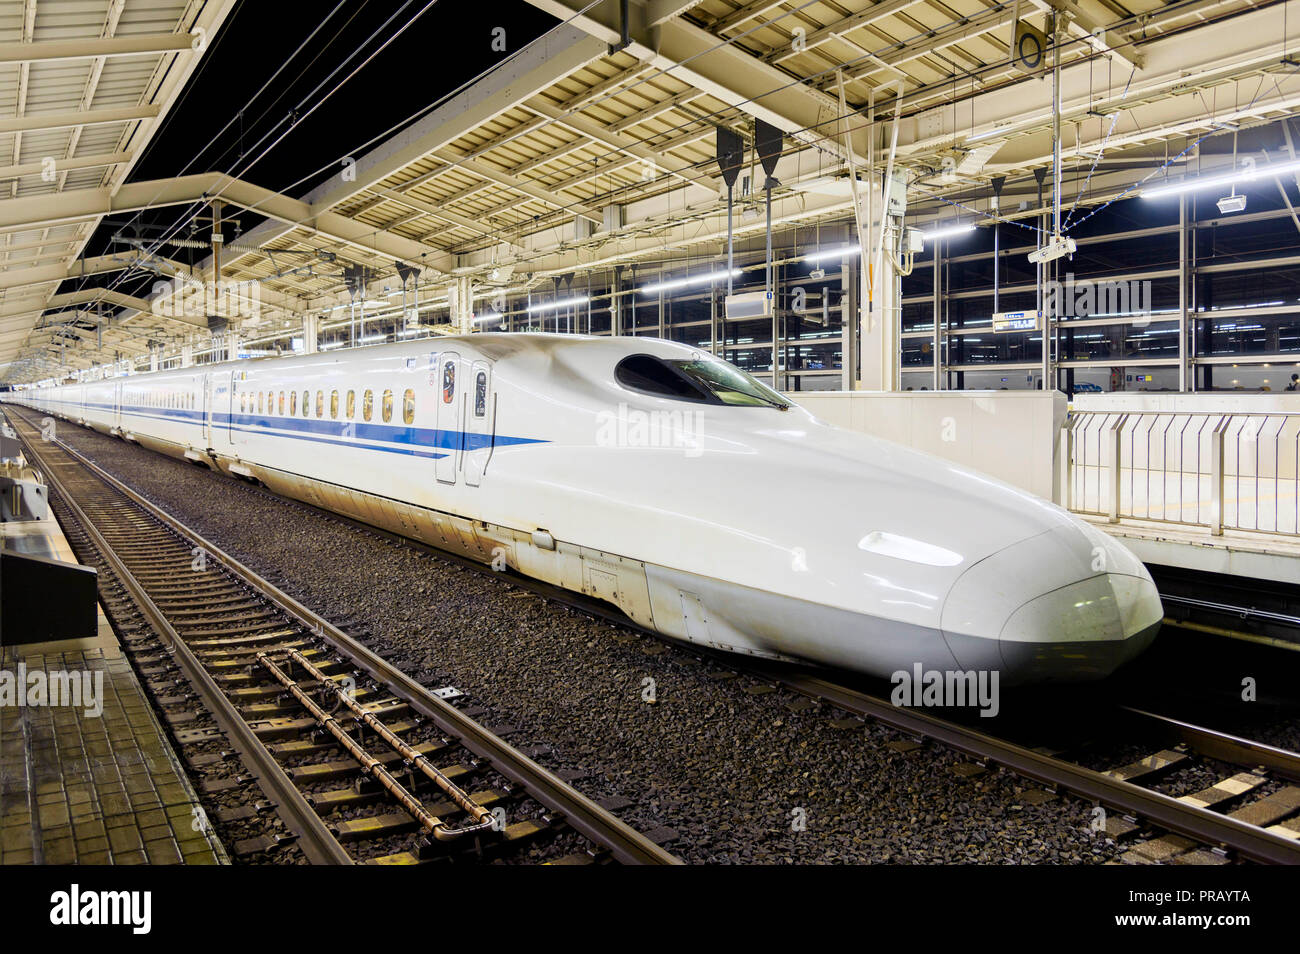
point(448, 43)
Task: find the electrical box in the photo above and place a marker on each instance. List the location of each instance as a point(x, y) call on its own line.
point(898, 194)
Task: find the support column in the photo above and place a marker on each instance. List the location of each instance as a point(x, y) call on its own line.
point(878, 305)
point(460, 295)
point(187, 355)
point(310, 333)
point(155, 348)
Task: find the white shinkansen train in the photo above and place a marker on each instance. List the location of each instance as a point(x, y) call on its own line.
point(667, 482)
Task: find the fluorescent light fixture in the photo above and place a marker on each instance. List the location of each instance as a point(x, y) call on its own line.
point(490, 316)
point(844, 251)
point(330, 345)
point(707, 278)
point(944, 231)
point(561, 303)
point(1244, 174)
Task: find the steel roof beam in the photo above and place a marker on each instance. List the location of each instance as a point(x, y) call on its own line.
point(64, 165)
point(1176, 66)
point(722, 70)
point(44, 210)
point(148, 44)
point(93, 117)
point(837, 30)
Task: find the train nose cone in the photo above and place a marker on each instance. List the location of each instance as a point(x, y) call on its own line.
point(1069, 604)
point(1082, 631)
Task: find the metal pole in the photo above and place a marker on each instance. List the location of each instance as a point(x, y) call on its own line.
point(1182, 292)
point(937, 346)
point(713, 321)
point(1056, 129)
point(730, 243)
point(767, 286)
point(1049, 314)
point(217, 241)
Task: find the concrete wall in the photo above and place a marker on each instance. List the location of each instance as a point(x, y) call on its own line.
point(1011, 435)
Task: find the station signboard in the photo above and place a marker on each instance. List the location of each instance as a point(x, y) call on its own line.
point(1017, 320)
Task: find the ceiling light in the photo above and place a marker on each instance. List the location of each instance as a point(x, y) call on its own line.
point(945, 231)
point(561, 303)
point(1244, 174)
point(707, 278)
point(844, 251)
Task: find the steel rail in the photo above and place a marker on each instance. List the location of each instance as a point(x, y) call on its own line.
point(1222, 745)
point(1200, 824)
point(602, 827)
point(318, 843)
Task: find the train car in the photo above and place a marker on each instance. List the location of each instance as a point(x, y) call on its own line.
point(669, 483)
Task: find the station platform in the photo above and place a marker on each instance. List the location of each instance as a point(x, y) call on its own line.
point(87, 775)
point(1259, 556)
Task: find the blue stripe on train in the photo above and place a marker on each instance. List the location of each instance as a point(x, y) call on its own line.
point(342, 433)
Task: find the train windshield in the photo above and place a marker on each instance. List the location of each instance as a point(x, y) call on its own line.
point(729, 384)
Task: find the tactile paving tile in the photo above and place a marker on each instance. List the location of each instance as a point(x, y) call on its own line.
point(80, 787)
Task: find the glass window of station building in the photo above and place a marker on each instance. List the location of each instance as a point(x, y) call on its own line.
point(1241, 273)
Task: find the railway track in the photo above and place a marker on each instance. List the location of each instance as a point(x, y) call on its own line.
point(1252, 813)
point(308, 744)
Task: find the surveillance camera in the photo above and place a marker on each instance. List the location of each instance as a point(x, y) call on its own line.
point(817, 274)
point(1057, 247)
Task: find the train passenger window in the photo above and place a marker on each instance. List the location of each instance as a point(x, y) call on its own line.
point(281, 402)
point(293, 403)
point(387, 410)
point(261, 396)
point(408, 406)
point(243, 404)
point(352, 404)
point(306, 402)
point(320, 403)
point(334, 404)
point(480, 394)
point(367, 405)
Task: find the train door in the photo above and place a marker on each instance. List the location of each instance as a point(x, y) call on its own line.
point(236, 391)
point(448, 423)
point(480, 421)
point(207, 410)
point(116, 413)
